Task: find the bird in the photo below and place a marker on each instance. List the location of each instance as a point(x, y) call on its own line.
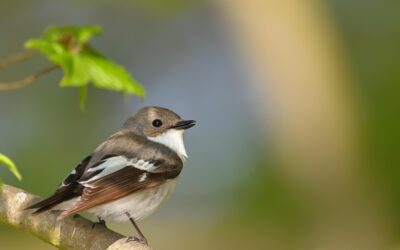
point(129, 175)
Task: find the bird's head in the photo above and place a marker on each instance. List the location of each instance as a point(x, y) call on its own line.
point(160, 125)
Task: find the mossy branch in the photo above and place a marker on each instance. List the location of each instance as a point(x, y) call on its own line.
point(70, 233)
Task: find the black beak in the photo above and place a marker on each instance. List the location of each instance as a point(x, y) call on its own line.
point(184, 124)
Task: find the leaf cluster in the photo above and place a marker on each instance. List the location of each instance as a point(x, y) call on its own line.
point(69, 48)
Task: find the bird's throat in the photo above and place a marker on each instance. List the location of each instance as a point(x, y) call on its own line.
point(173, 139)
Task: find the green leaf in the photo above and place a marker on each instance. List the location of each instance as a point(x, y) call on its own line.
point(69, 47)
point(68, 35)
point(103, 73)
point(58, 44)
point(76, 74)
point(10, 165)
point(53, 51)
point(81, 34)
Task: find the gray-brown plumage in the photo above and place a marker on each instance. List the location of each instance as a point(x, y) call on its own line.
point(130, 174)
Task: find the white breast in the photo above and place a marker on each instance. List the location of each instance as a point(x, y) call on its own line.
point(139, 205)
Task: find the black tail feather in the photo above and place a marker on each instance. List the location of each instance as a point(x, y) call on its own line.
point(67, 190)
point(42, 206)
point(49, 203)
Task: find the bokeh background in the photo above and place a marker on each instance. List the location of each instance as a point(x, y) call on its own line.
point(297, 107)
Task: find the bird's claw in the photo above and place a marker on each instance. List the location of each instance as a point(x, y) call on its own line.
point(102, 223)
point(140, 240)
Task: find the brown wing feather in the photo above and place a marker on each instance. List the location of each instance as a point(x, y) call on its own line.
point(115, 186)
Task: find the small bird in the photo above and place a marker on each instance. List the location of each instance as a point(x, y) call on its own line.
point(129, 175)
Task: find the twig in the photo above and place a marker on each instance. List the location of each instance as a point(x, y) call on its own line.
point(17, 57)
point(27, 80)
point(70, 233)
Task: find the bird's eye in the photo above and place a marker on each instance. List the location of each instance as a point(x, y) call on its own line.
point(157, 123)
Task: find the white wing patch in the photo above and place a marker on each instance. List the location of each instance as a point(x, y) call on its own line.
point(113, 164)
point(142, 177)
point(143, 165)
point(173, 139)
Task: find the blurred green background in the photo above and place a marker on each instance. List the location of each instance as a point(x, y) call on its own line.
point(236, 190)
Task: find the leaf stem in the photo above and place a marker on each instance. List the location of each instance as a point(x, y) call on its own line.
point(17, 57)
point(27, 80)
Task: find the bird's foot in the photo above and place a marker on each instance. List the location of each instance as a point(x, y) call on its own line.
point(100, 222)
point(142, 240)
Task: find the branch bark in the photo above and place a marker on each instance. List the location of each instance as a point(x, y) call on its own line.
point(70, 233)
point(17, 57)
point(27, 80)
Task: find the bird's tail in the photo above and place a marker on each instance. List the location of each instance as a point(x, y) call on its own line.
point(47, 204)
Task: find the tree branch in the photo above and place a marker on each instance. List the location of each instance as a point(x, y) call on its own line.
point(70, 233)
point(17, 57)
point(27, 80)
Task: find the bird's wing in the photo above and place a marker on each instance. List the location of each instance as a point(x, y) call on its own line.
point(111, 185)
point(120, 173)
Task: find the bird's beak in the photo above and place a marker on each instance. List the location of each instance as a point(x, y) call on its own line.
point(184, 124)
